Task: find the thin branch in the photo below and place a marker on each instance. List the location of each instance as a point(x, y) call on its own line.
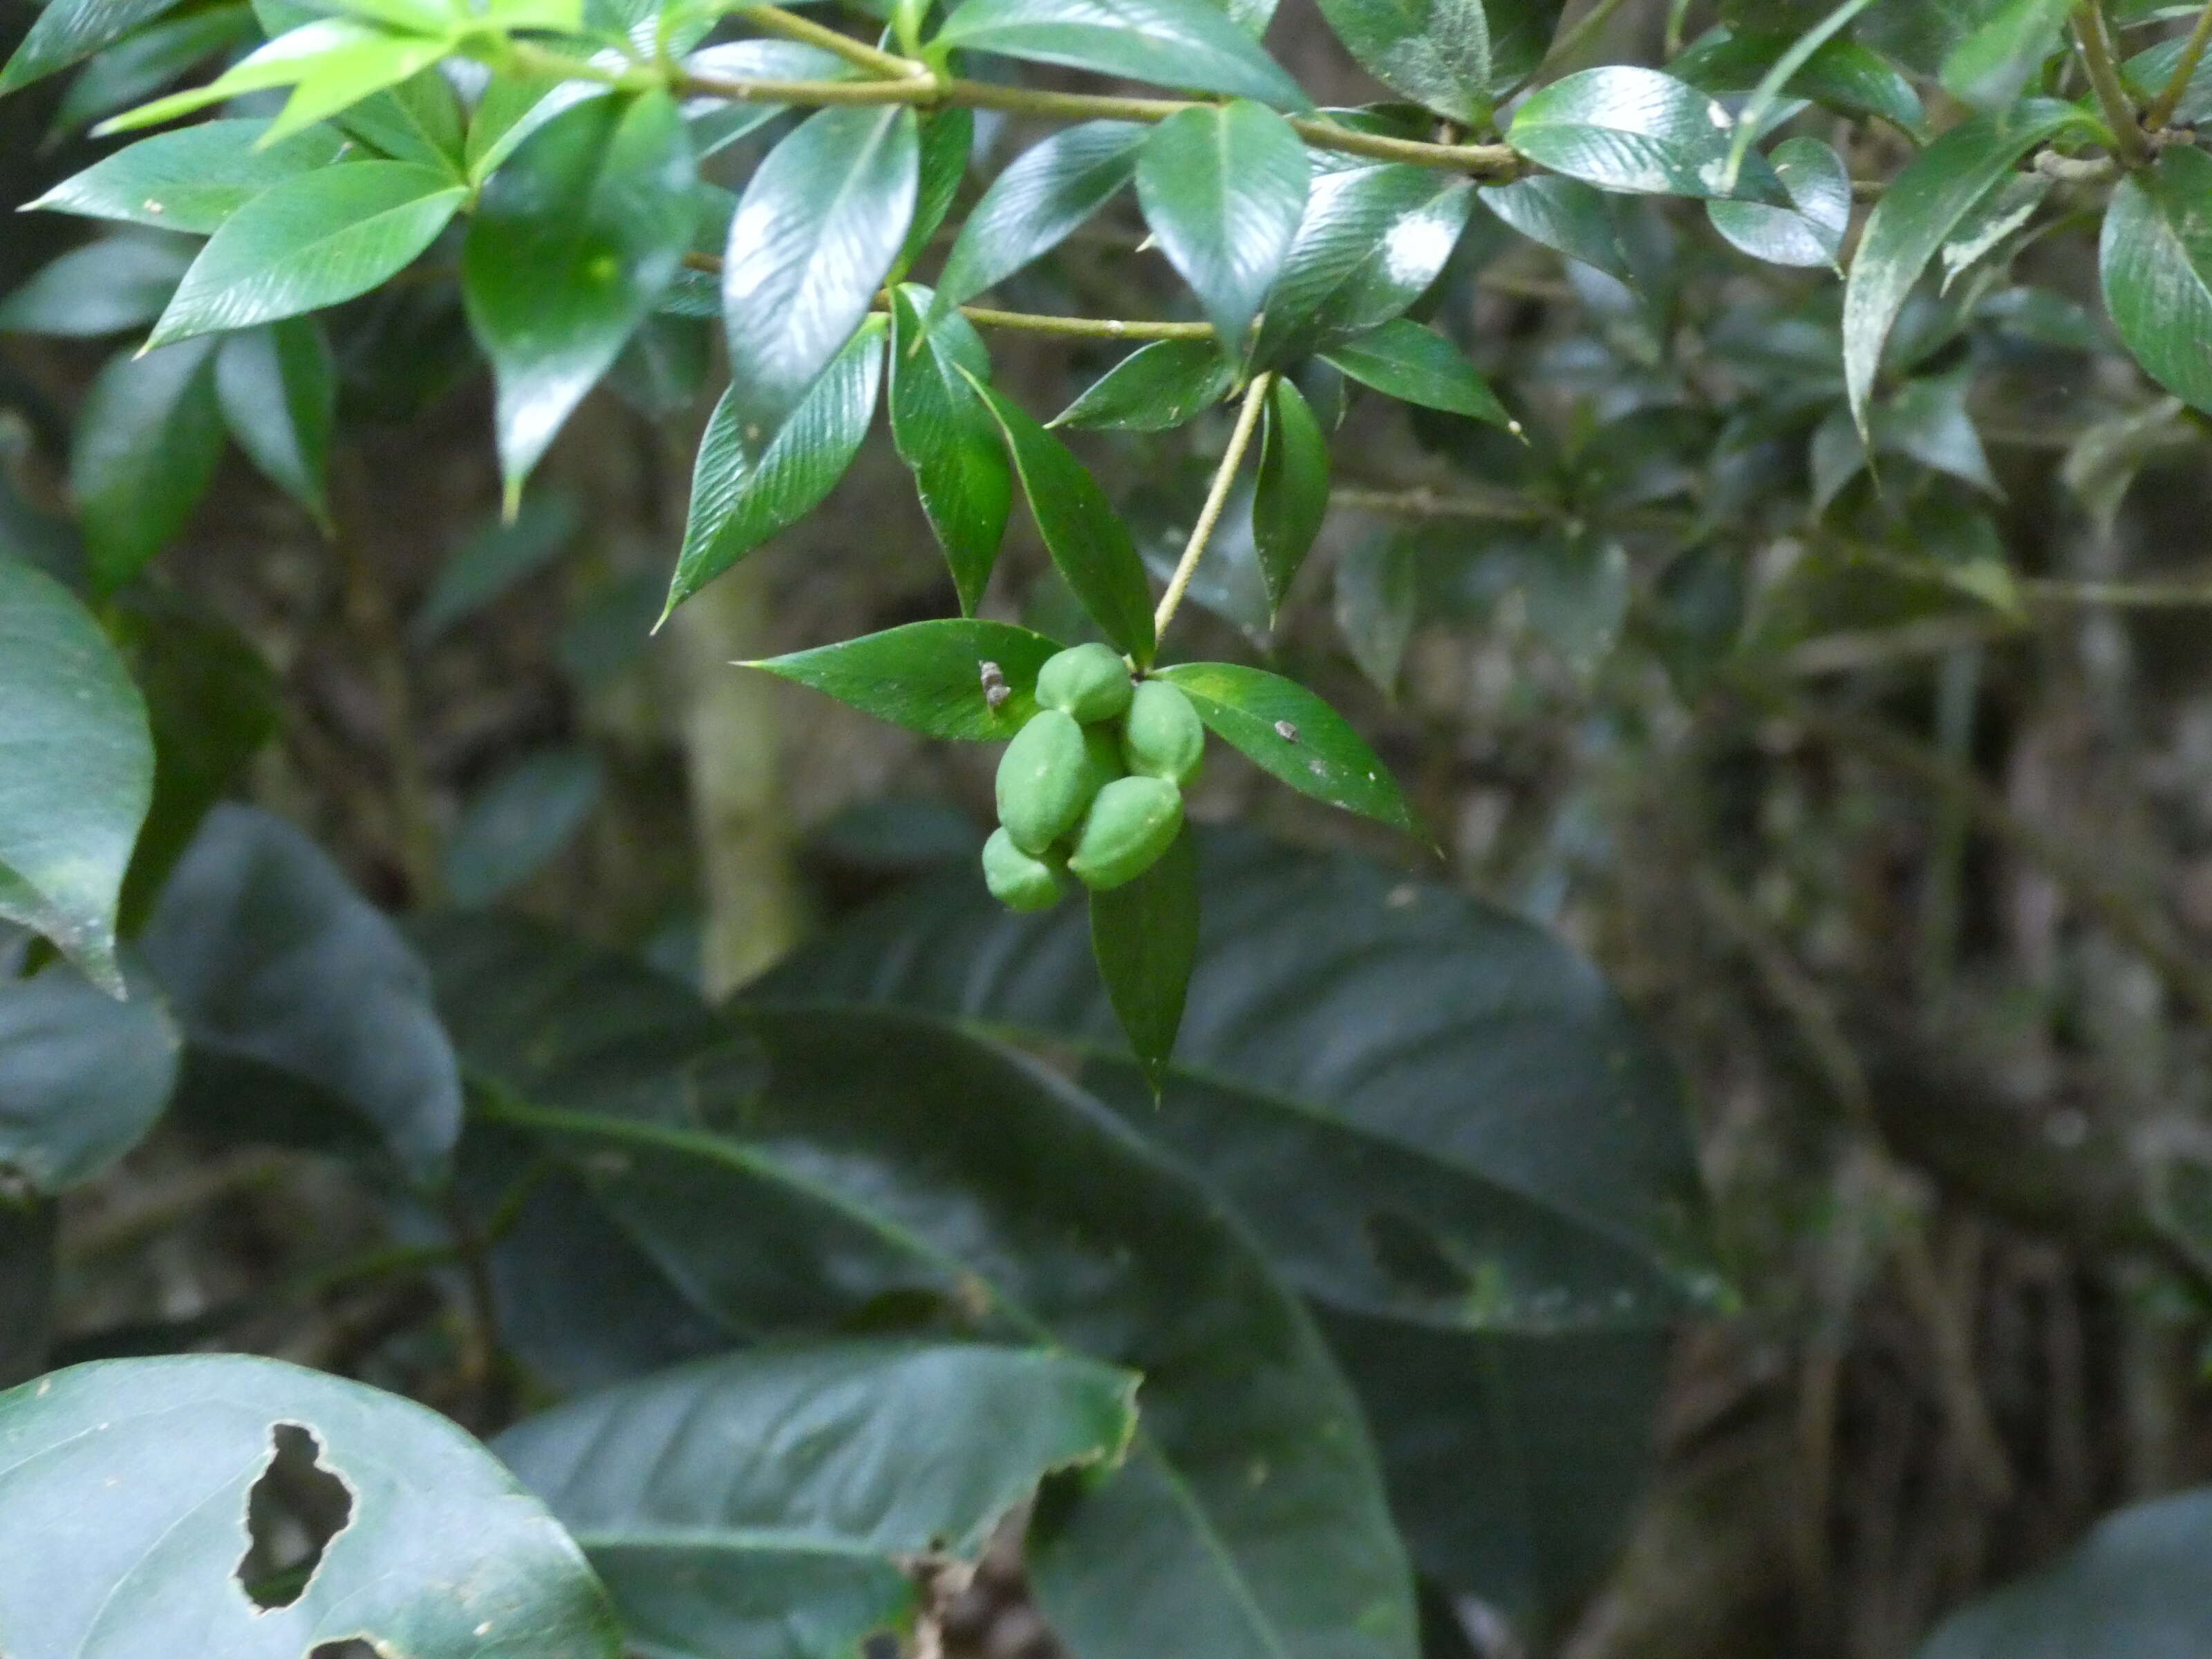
point(1422, 502)
point(2161, 113)
point(1224, 476)
point(2105, 76)
point(2141, 596)
point(790, 25)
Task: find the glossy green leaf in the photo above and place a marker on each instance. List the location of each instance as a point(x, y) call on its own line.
point(108, 286)
point(1434, 52)
point(2148, 71)
point(127, 1482)
point(289, 984)
point(278, 392)
point(518, 822)
point(1173, 43)
point(310, 241)
point(1635, 130)
point(76, 771)
point(1521, 35)
point(420, 120)
point(815, 235)
point(743, 493)
point(1428, 1108)
point(1989, 68)
point(69, 31)
point(1144, 936)
point(1223, 188)
point(735, 1502)
point(826, 1161)
point(1286, 729)
point(331, 63)
point(571, 244)
point(1809, 232)
point(1918, 212)
point(1567, 216)
point(83, 1076)
point(1047, 194)
point(148, 435)
point(1376, 598)
point(492, 560)
point(1292, 496)
point(946, 144)
point(1769, 103)
point(715, 124)
point(148, 61)
point(1417, 365)
point(1089, 543)
point(1155, 388)
point(1843, 75)
point(948, 439)
point(1372, 241)
point(929, 676)
point(191, 179)
point(2156, 262)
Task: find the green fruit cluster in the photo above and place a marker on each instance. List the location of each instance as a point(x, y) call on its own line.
point(1091, 787)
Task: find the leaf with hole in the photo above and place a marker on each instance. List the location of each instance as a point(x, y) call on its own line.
point(929, 676)
point(316, 239)
point(728, 1501)
point(128, 1484)
point(948, 440)
point(571, 245)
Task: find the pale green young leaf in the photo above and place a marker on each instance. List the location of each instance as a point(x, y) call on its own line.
point(83, 1076)
point(138, 67)
point(419, 120)
point(311, 241)
point(330, 63)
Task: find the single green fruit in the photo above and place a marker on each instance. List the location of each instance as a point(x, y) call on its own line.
point(1017, 880)
point(1046, 780)
point(1131, 822)
point(1087, 681)
point(1162, 737)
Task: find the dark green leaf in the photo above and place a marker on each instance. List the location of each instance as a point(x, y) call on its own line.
point(1223, 188)
point(149, 436)
point(2132, 1590)
point(127, 1483)
point(2156, 259)
point(1427, 1107)
point(518, 823)
point(947, 144)
point(743, 492)
point(945, 435)
point(1521, 35)
point(26, 1287)
point(928, 677)
point(1417, 365)
point(278, 392)
point(1434, 52)
point(1037, 203)
point(1841, 73)
point(1089, 543)
point(311, 241)
point(417, 120)
point(2148, 73)
point(1287, 731)
point(1567, 216)
point(1917, 214)
point(728, 1501)
point(837, 1159)
point(494, 559)
point(1635, 130)
point(281, 974)
point(107, 286)
point(1373, 239)
point(149, 60)
point(1376, 589)
point(83, 1076)
point(69, 31)
point(1810, 232)
point(715, 124)
point(1153, 389)
point(571, 242)
point(191, 179)
point(816, 233)
point(1989, 68)
point(1143, 935)
point(511, 107)
point(1292, 497)
point(1173, 43)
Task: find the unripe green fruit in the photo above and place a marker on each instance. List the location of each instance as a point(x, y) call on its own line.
point(1087, 681)
point(1162, 737)
point(1017, 880)
point(1131, 822)
point(1102, 752)
point(1046, 780)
